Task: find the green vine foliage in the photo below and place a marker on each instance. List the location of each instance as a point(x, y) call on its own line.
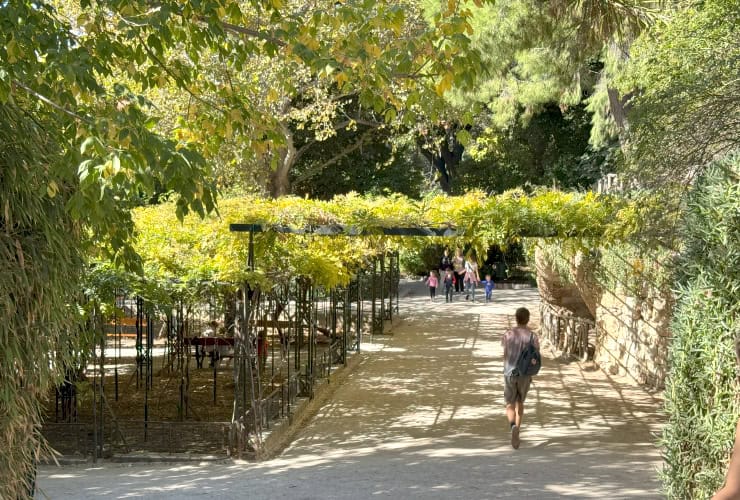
point(702, 388)
point(204, 249)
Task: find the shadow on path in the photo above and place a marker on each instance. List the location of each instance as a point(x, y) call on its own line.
point(422, 417)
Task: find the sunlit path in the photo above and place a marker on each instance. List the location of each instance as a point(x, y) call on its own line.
point(422, 417)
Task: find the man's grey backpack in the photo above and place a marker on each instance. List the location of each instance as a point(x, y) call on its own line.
point(530, 361)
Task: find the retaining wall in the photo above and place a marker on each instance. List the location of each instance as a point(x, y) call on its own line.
point(630, 332)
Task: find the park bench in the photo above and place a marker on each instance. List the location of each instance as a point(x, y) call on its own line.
point(216, 348)
point(127, 322)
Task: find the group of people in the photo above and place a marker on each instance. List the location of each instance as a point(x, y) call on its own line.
point(458, 275)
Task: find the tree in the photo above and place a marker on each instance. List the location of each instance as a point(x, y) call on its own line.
point(685, 77)
point(83, 145)
point(419, 58)
point(75, 156)
point(255, 75)
point(536, 57)
point(551, 148)
point(444, 149)
point(376, 162)
point(42, 256)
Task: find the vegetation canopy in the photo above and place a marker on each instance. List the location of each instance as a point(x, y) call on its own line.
point(205, 249)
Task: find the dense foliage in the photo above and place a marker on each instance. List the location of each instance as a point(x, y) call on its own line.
point(205, 249)
point(550, 149)
point(684, 75)
point(703, 386)
point(39, 274)
point(377, 163)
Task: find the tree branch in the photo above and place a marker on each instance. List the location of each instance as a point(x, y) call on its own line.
point(51, 103)
point(346, 151)
point(338, 126)
point(253, 33)
point(172, 75)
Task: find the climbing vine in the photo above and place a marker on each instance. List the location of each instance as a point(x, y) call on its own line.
point(199, 249)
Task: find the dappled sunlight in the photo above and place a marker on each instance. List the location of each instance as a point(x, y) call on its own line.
point(461, 452)
point(394, 349)
point(63, 476)
point(423, 417)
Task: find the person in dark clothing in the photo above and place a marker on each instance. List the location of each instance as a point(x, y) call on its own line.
point(449, 282)
point(445, 263)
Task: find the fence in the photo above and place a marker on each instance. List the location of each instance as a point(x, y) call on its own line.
point(127, 436)
point(568, 333)
point(280, 327)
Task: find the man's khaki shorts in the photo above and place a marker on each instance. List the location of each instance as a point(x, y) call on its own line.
point(516, 389)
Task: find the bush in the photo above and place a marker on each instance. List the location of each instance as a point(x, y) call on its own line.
point(702, 387)
point(418, 262)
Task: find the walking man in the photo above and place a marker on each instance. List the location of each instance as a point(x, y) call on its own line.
point(516, 386)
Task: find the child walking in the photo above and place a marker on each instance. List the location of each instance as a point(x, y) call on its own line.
point(449, 283)
point(489, 286)
point(433, 282)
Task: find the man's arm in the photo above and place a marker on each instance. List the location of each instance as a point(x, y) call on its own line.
point(731, 491)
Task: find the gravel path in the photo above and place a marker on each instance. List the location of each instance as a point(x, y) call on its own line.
point(422, 417)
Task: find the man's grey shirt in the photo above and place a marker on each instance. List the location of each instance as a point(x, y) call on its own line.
point(514, 342)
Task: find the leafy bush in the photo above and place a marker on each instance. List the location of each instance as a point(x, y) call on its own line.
point(702, 388)
point(420, 262)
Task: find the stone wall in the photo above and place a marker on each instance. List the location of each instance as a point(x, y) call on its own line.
point(632, 332)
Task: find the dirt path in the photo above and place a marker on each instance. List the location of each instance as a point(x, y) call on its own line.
point(422, 417)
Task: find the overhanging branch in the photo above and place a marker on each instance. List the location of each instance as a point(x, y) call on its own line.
point(346, 151)
point(253, 33)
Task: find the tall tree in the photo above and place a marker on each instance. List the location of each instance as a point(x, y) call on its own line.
point(82, 140)
point(684, 75)
point(539, 55)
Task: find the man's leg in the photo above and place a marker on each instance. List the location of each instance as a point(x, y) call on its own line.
point(522, 388)
point(521, 385)
point(511, 414)
point(515, 412)
point(510, 399)
point(519, 412)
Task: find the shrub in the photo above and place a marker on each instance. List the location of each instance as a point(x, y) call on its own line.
point(418, 262)
point(702, 387)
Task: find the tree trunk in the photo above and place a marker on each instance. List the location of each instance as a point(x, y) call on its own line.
point(279, 183)
point(446, 157)
point(619, 106)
